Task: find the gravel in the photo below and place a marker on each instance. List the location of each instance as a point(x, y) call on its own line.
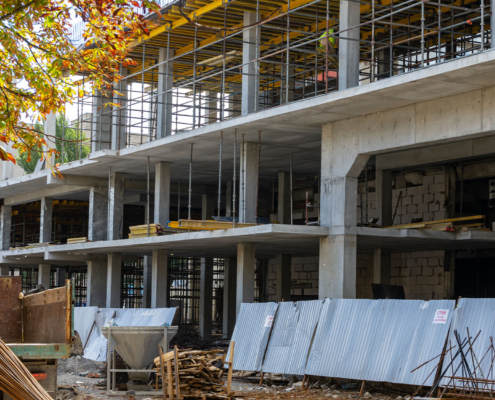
point(77, 365)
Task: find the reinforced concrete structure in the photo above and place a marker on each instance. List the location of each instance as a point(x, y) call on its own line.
point(236, 111)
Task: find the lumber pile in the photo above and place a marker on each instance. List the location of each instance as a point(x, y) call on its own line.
point(462, 224)
point(77, 240)
point(139, 231)
point(199, 373)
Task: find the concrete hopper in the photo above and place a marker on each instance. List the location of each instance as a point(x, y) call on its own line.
point(138, 345)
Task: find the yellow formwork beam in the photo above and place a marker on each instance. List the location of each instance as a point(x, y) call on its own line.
point(205, 225)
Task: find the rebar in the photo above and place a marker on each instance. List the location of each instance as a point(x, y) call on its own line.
point(219, 203)
point(190, 184)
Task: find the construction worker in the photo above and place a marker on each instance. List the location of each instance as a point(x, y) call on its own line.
point(328, 40)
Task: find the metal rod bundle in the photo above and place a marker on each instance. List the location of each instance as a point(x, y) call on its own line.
point(16, 380)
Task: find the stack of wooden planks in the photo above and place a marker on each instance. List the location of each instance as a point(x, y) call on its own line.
point(462, 224)
point(139, 231)
point(77, 240)
point(199, 374)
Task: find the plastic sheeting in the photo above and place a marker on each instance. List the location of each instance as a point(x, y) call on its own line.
point(251, 333)
point(379, 340)
point(291, 337)
point(96, 348)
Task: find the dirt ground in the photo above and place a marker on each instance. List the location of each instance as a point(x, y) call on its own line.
point(75, 383)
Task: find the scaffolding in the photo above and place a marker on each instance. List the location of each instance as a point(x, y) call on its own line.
point(195, 68)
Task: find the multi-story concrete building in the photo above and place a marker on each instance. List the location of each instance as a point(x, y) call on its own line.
point(238, 111)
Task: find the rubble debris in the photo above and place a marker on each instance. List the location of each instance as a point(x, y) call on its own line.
point(188, 337)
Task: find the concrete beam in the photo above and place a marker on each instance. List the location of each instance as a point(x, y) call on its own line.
point(67, 257)
point(283, 277)
point(39, 194)
point(249, 53)
point(44, 275)
point(96, 292)
point(206, 299)
point(98, 214)
point(349, 44)
point(245, 274)
point(75, 180)
point(248, 182)
point(46, 221)
point(5, 227)
point(159, 279)
point(284, 209)
point(114, 280)
point(229, 296)
point(165, 100)
point(116, 206)
point(162, 193)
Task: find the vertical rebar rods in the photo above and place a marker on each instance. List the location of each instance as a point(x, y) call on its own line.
point(234, 180)
point(258, 178)
point(190, 184)
point(220, 176)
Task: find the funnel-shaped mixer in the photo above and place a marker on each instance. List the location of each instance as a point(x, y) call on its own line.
point(138, 345)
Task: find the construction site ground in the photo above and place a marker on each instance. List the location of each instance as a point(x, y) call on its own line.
point(74, 383)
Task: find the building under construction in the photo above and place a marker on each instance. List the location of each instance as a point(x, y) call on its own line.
point(275, 150)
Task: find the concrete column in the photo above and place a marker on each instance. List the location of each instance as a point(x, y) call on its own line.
point(245, 274)
point(4, 270)
point(284, 216)
point(46, 214)
point(162, 193)
point(206, 298)
point(114, 280)
point(337, 267)
point(101, 129)
point(116, 206)
point(283, 277)
point(207, 208)
point(229, 296)
point(119, 115)
point(349, 45)
point(165, 83)
point(61, 276)
point(5, 226)
point(97, 282)
point(228, 199)
point(248, 68)
point(98, 214)
point(383, 196)
point(147, 279)
point(44, 275)
point(248, 181)
point(50, 130)
point(159, 278)
point(263, 282)
point(382, 266)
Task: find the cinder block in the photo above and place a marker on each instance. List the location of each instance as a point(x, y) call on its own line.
point(438, 271)
point(405, 201)
point(428, 216)
point(400, 181)
point(422, 208)
point(414, 178)
point(437, 188)
point(405, 272)
point(310, 267)
point(412, 191)
point(440, 178)
point(428, 179)
point(439, 215)
point(433, 262)
point(428, 271)
point(303, 275)
point(298, 267)
point(395, 193)
point(423, 189)
point(272, 275)
point(421, 262)
point(405, 219)
point(417, 199)
point(433, 280)
point(412, 209)
point(428, 198)
point(314, 276)
point(422, 280)
point(410, 262)
point(433, 207)
point(297, 292)
point(416, 271)
point(395, 272)
point(396, 262)
point(411, 281)
point(417, 215)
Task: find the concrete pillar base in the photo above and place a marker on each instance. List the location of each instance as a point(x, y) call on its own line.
point(44, 275)
point(114, 280)
point(229, 296)
point(245, 274)
point(283, 277)
point(96, 283)
point(382, 267)
point(159, 279)
point(206, 298)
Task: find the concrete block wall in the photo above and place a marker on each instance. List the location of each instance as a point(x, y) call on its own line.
point(304, 277)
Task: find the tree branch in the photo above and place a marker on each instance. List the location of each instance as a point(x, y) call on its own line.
point(21, 8)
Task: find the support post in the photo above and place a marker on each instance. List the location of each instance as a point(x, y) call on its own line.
point(245, 274)
point(228, 199)
point(61, 276)
point(383, 193)
point(101, 129)
point(116, 206)
point(283, 277)
point(211, 105)
point(206, 298)
point(44, 275)
point(207, 208)
point(5, 226)
point(46, 214)
point(147, 281)
point(248, 181)
point(50, 130)
point(229, 296)
point(159, 278)
point(248, 68)
point(165, 99)
point(96, 282)
point(382, 267)
point(119, 115)
point(284, 208)
point(349, 44)
point(98, 214)
point(162, 193)
point(114, 280)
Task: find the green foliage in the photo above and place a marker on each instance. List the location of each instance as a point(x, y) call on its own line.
point(73, 145)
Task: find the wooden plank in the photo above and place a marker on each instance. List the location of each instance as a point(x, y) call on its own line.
point(177, 389)
point(426, 223)
point(231, 363)
point(10, 309)
point(169, 380)
point(163, 372)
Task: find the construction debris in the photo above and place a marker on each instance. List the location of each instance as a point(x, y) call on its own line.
point(77, 240)
point(199, 373)
point(16, 380)
point(139, 231)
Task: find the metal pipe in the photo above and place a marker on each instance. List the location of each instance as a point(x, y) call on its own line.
point(291, 199)
point(373, 64)
point(178, 202)
point(243, 181)
point(148, 200)
point(258, 177)
point(190, 184)
point(422, 33)
point(220, 176)
point(287, 56)
point(234, 180)
point(366, 192)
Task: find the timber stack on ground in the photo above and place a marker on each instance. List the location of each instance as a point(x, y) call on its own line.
point(199, 374)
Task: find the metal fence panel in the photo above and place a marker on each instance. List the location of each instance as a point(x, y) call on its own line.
point(378, 340)
point(251, 333)
point(291, 337)
point(477, 316)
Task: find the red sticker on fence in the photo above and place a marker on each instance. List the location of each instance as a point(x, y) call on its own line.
point(268, 321)
point(441, 317)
